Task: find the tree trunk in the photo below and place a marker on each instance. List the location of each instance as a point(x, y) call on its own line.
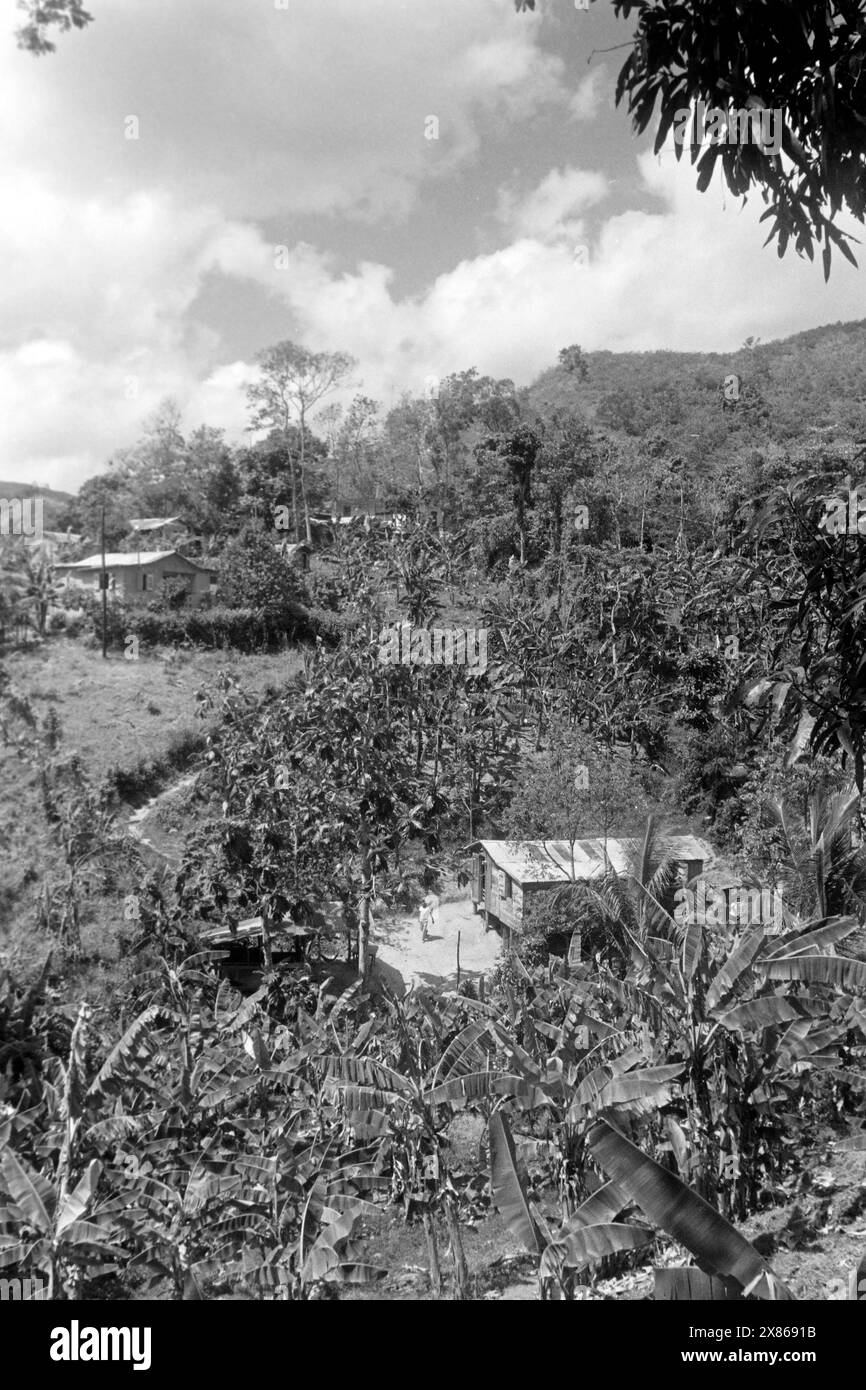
point(266, 944)
point(364, 913)
point(304, 481)
point(461, 1271)
point(432, 1252)
point(295, 521)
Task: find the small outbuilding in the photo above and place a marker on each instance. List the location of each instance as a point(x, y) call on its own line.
point(297, 553)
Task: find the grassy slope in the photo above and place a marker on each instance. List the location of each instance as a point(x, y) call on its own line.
point(113, 714)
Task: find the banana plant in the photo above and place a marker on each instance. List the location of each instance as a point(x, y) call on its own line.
point(666, 1201)
point(56, 1236)
point(587, 1236)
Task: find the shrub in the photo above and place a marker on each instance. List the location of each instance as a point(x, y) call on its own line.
point(91, 606)
point(246, 629)
point(253, 574)
point(145, 776)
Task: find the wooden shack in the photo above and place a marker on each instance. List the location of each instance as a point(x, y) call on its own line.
point(505, 872)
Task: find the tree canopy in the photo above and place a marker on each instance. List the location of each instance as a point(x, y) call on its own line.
point(801, 58)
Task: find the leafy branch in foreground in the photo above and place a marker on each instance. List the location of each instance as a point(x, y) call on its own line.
point(803, 64)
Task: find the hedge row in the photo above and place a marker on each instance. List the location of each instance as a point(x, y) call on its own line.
point(246, 629)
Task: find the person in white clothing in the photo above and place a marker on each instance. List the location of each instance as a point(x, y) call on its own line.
point(427, 913)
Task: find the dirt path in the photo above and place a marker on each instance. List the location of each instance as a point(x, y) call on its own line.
point(144, 825)
point(403, 954)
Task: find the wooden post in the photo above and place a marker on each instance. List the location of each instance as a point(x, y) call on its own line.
point(458, 960)
point(103, 583)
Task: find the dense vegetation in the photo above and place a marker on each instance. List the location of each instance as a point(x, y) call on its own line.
point(687, 636)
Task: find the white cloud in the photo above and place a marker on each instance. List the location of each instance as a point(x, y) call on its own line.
point(591, 94)
point(316, 108)
point(550, 210)
point(689, 276)
point(321, 108)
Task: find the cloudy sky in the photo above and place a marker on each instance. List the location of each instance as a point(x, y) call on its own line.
point(428, 184)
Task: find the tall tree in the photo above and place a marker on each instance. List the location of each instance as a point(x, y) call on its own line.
point(293, 381)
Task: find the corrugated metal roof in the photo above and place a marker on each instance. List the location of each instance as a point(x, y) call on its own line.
point(121, 559)
point(560, 861)
point(152, 523)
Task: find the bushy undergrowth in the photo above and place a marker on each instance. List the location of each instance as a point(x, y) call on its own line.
point(148, 774)
point(184, 1142)
point(245, 629)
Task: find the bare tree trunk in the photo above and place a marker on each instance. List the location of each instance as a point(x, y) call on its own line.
point(304, 480)
point(295, 521)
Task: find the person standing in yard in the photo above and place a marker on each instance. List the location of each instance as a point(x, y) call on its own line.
point(424, 918)
point(427, 913)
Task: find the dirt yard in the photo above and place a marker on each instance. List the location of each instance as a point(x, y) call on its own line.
point(405, 960)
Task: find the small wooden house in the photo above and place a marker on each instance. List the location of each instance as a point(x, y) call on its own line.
point(162, 528)
point(138, 575)
point(506, 872)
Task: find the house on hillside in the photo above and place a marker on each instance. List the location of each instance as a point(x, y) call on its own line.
point(165, 528)
point(56, 543)
point(505, 873)
point(138, 576)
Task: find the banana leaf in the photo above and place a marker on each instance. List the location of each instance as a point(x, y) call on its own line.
point(362, 1071)
point(508, 1188)
point(738, 961)
point(817, 936)
point(770, 1011)
point(31, 1193)
point(76, 1202)
point(691, 1285)
point(605, 1203)
point(669, 1203)
point(590, 1243)
point(465, 1053)
point(461, 1089)
point(841, 971)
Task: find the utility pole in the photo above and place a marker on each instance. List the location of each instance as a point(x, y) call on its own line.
point(103, 584)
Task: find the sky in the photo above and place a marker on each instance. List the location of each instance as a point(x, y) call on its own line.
point(427, 186)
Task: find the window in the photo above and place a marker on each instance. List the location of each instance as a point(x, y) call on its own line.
point(508, 886)
point(144, 581)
